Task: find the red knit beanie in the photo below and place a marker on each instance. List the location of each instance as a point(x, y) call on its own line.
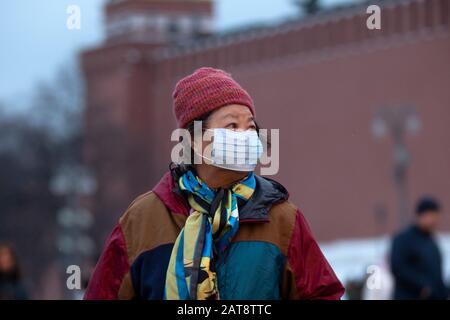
point(205, 90)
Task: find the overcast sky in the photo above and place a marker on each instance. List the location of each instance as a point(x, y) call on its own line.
point(35, 41)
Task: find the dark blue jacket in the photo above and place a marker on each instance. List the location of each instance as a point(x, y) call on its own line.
point(416, 263)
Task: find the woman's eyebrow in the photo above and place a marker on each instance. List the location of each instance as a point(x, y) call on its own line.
point(234, 117)
point(229, 115)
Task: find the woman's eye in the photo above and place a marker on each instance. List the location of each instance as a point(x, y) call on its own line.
point(232, 126)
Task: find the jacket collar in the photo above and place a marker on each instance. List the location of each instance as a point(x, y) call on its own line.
point(267, 193)
point(172, 200)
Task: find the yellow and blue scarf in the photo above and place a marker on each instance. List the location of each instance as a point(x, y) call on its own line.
point(212, 223)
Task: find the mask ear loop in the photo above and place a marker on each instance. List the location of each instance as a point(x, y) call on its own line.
point(201, 155)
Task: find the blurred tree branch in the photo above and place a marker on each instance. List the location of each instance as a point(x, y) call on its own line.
point(34, 144)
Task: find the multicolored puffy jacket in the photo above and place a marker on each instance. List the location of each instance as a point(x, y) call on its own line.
point(272, 256)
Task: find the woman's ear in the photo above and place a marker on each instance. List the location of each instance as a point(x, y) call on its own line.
point(195, 152)
point(202, 146)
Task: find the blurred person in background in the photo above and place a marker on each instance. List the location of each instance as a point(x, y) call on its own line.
point(416, 260)
point(214, 231)
point(11, 287)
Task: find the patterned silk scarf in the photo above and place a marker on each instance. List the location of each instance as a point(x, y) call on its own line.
point(212, 223)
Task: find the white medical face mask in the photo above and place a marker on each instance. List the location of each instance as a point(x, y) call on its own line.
point(235, 150)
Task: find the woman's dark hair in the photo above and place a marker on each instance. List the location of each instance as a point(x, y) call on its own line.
point(204, 119)
point(183, 167)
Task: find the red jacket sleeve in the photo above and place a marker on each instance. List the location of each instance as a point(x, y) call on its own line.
point(308, 275)
point(110, 270)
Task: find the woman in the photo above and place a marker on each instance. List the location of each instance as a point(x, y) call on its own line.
point(214, 230)
point(11, 287)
